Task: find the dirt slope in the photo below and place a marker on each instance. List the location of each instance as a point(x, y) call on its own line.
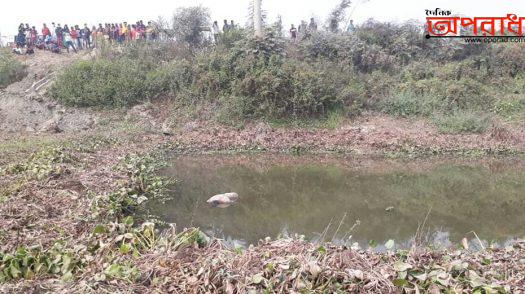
point(24, 106)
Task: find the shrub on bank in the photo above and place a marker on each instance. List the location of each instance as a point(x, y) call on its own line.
point(101, 82)
point(171, 78)
point(252, 80)
point(276, 88)
point(11, 70)
point(381, 66)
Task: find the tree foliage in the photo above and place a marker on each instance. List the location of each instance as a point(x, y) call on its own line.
point(337, 15)
point(189, 25)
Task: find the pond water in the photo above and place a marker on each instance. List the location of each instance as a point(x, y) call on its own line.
point(348, 200)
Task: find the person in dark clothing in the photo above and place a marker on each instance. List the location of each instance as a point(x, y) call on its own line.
point(111, 32)
point(30, 50)
point(293, 33)
point(40, 43)
point(53, 47)
point(312, 26)
point(59, 33)
point(225, 26)
point(86, 35)
point(20, 39)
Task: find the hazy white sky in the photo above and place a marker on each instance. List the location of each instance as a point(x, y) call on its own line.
point(36, 12)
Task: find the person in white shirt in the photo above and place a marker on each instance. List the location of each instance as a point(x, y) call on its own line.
point(68, 41)
point(216, 31)
point(53, 31)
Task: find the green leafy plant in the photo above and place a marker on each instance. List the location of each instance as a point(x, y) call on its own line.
point(407, 105)
point(142, 184)
point(126, 272)
point(463, 122)
point(28, 263)
point(42, 164)
point(509, 108)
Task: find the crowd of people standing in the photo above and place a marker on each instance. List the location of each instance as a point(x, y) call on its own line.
point(226, 27)
point(56, 37)
point(303, 31)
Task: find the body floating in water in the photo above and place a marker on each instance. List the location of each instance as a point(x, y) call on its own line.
point(223, 200)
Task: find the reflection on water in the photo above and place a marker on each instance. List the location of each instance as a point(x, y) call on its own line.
point(335, 199)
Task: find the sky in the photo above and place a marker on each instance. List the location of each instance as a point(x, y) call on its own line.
point(36, 12)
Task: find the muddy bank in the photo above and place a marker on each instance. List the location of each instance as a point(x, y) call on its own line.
point(370, 134)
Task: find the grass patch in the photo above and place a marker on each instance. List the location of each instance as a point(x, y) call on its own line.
point(510, 108)
point(407, 105)
point(17, 148)
point(463, 122)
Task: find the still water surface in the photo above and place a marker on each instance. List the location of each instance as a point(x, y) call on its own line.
point(348, 200)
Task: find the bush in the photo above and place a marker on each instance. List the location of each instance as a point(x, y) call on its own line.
point(350, 50)
point(262, 84)
point(386, 46)
point(463, 122)
point(11, 70)
point(281, 91)
point(171, 78)
point(230, 38)
point(405, 105)
point(253, 79)
point(381, 66)
point(102, 83)
point(150, 55)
